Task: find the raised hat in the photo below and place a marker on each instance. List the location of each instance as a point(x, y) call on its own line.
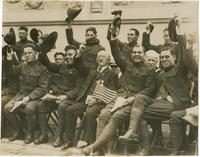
point(117, 12)
point(116, 22)
point(48, 42)
point(72, 14)
point(34, 34)
point(10, 37)
point(172, 30)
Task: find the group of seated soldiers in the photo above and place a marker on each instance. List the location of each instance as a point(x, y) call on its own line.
point(152, 80)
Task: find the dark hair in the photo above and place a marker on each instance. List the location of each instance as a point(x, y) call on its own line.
point(32, 45)
point(173, 50)
point(23, 28)
point(58, 53)
point(165, 29)
point(69, 47)
point(136, 31)
point(93, 29)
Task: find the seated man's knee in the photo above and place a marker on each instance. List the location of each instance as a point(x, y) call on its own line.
point(104, 116)
point(142, 101)
point(30, 108)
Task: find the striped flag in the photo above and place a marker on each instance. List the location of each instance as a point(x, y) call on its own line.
point(104, 94)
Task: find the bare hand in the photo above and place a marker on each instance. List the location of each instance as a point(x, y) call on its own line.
point(129, 100)
point(61, 98)
point(179, 30)
point(25, 100)
point(10, 55)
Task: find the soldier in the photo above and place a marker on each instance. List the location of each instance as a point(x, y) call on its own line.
point(172, 94)
point(88, 50)
point(132, 37)
point(23, 33)
point(64, 85)
point(158, 48)
point(104, 75)
point(140, 86)
point(179, 120)
point(33, 83)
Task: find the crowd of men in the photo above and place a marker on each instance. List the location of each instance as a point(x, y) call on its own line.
point(156, 83)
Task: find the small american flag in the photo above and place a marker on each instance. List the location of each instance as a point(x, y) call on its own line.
point(103, 93)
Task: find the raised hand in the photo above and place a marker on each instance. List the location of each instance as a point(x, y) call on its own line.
point(149, 27)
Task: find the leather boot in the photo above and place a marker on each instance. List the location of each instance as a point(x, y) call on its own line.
point(15, 123)
point(145, 138)
point(31, 123)
point(131, 135)
point(108, 132)
point(176, 137)
point(59, 140)
point(42, 118)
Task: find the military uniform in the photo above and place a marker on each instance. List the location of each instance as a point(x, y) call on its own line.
point(178, 122)
point(88, 53)
point(170, 82)
point(65, 80)
point(126, 48)
point(33, 79)
point(140, 83)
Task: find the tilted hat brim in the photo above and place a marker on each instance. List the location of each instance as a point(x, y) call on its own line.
point(48, 42)
point(6, 49)
point(10, 38)
point(34, 35)
point(116, 12)
point(72, 14)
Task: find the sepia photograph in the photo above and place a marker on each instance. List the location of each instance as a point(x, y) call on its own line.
point(99, 78)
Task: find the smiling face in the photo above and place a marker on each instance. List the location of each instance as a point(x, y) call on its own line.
point(103, 58)
point(131, 36)
point(137, 54)
point(30, 54)
point(69, 56)
point(167, 59)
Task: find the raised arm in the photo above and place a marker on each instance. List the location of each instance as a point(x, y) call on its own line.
point(10, 67)
point(70, 36)
point(119, 59)
point(52, 67)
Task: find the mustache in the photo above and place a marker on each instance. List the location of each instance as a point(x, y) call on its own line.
point(137, 57)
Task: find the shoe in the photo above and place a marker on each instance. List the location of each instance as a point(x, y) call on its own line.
point(58, 142)
point(42, 139)
point(28, 139)
point(174, 153)
point(17, 136)
point(98, 153)
point(87, 150)
point(67, 145)
point(129, 137)
point(143, 152)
